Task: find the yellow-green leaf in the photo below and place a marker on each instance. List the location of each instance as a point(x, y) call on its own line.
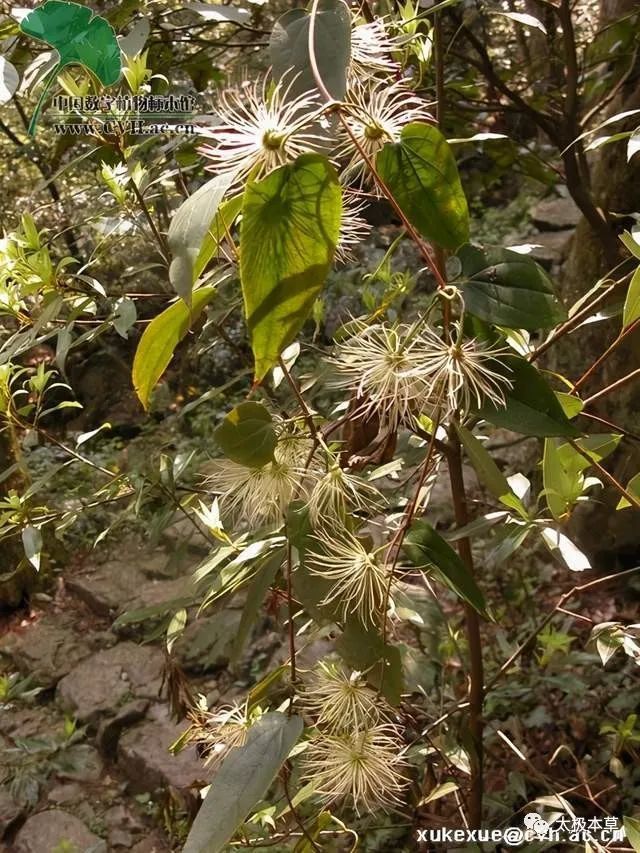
point(288, 236)
point(631, 310)
point(160, 338)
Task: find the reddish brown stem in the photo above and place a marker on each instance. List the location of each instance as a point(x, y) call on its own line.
point(474, 639)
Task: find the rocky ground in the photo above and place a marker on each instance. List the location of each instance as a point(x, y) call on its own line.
point(86, 760)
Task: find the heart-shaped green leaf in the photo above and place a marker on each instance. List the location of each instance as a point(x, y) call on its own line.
point(79, 37)
point(332, 44)
point(247, 435)
point(289, 232)
point(508, 289)
point(421, 172)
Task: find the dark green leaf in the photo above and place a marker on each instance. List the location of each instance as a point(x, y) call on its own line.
point(243, 779)
point(189, 227)
point(426, 549)
point(160, 338)
point(421, 172)
point(488, 472)
point(363, 649)
point(332, 47)
point(289, 232)
point(247, 435)
point(532, 407)
point(508, 289)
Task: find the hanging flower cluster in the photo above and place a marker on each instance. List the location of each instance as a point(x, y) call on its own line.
point(356, 751)
point(325, 480)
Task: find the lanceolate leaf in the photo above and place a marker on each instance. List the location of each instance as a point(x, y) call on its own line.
point(631, 311)
point(9, 80)
point(189, 227)
point(289, 232)
point(160, 338)
point(488, 472)
point(79, 37)
point(247, 435)
point(508, 289)
point(532, 408)
point(218, 230)
point(332, 43)
point(426, 549)
point(243, 779)
point(421, 172)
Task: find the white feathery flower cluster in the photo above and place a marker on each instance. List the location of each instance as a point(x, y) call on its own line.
point(398, 371)
point(217, 732)
point(262, 495)
point(261, 130)
point(371, 50)
point(357, 751)
point(354, 228)
point(383, 365)
point(341, 702)
point(359, 576)
point(463, 373)
point(338, 492)
point(364, 766)
point(375, 113)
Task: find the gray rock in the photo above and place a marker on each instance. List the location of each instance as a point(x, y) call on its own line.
point(123, 827)
point(45, 831)
point(154, 843)
point(108, 588)
point(110, 729)
point(144, 757)
point(206, 643)
point(47, 648)
point(552, 247)
point(555, 214)
point(100, 685)
point(10, 810)
point(80, 762)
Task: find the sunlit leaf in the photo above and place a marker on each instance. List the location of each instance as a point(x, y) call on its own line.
point(9, 80)
point(189, 227)
point(421, 172)
point(631, 310)
point(160, 338)
point(289, 231)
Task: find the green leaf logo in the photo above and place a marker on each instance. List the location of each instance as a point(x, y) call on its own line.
point(79, 37)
